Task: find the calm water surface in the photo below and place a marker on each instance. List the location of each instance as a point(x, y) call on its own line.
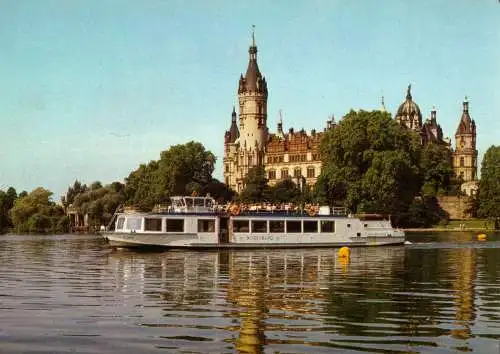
point(74, 294)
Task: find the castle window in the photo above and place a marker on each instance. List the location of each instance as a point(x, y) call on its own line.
point(272, 174)
point(303, 158)
point(297, 172)
point(284, 173)
point(227, 168)
point(310, 172)
point(314, 157)
point(462, 162)
point(281, 159)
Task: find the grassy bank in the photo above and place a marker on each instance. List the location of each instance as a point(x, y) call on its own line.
point(461, 225)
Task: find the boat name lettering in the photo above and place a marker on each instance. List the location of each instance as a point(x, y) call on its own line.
point(260, 238)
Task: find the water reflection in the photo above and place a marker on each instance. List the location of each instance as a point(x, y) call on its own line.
point(75, 293)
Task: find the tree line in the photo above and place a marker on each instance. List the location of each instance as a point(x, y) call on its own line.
point(370, 163)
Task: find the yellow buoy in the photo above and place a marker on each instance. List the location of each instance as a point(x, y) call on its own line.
point(344, 252)
point(481, 237)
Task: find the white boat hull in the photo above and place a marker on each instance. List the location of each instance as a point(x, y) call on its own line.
point(136, 240)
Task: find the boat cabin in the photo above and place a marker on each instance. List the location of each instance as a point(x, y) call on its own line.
point(181, 204)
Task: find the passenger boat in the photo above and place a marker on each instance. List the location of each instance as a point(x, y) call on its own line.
point(198, 222)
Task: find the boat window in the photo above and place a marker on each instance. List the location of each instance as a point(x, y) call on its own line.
point(348, 225)
point(175, 225)
point(152, 224)
point(293, 226)
point(206, 225)
point(259, 226)
point(310, 226)
point(276, 226)
point(240, 226)
point(134, 223)
point(199, 202)
point(327, 226)
point(189, 202)
point(119, 224)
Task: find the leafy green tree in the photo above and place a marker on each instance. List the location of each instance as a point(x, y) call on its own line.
point(4, 212)
point(285, 191)
point(142, 186)
point(95, 185)
point(370, 163)
point(436, 169)
point(181, 170)
point(219, 191)
point(256, 188)
point(35, 212)
point(100, 203)
point(423, 212)
point(489, 186)
point(72, 192)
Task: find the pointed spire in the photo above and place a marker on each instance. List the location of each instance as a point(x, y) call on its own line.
point(408, 92)
point(253, 35)
point(466, 125)
point(382, 105)
point(433, 113)
point(253, 81)
point(233, 132)
point(253, 48)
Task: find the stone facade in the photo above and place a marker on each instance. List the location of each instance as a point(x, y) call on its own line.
point(464, 157)
point(457, 207)
point(248, 144)
point(465, 154)
point(295, 154)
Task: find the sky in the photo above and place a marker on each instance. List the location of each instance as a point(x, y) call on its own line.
point(91, 89)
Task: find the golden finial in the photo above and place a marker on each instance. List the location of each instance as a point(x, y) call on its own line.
point(253, 35)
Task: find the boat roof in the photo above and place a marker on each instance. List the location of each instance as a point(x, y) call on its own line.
point(245, 215)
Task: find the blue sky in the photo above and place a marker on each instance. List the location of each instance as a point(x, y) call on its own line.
point(91, 89)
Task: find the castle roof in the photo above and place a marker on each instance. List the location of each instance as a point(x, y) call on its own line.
point(233, 133)
point(409, 107)
point(253, 81)
point(466, 125)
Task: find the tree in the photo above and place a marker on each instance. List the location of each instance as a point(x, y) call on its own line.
point(285, 191)
point(181, 170)
point(72, 192)
point(35, 212)
point(7, 200)
point(489, 186)
point(436, 169)
point(219, 191)
point(100, 203)
point(256, 188)
point(370, 163)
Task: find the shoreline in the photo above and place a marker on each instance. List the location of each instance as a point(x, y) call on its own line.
point(443, 229)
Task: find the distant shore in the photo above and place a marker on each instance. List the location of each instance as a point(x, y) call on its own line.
point(444, 229)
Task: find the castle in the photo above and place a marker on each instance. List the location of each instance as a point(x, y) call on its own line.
point(295, 154)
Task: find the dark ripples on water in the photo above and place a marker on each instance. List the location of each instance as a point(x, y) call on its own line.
point(73, 294)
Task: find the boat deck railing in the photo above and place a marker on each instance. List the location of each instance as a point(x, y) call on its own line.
point(253, 209)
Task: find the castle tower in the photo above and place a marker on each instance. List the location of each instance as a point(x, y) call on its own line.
point(252, 97)
point(245, 148)
point(465, 154)
point(409, 114)
point(231, 140)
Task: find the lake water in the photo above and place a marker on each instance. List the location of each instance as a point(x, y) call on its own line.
point(74, 294)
